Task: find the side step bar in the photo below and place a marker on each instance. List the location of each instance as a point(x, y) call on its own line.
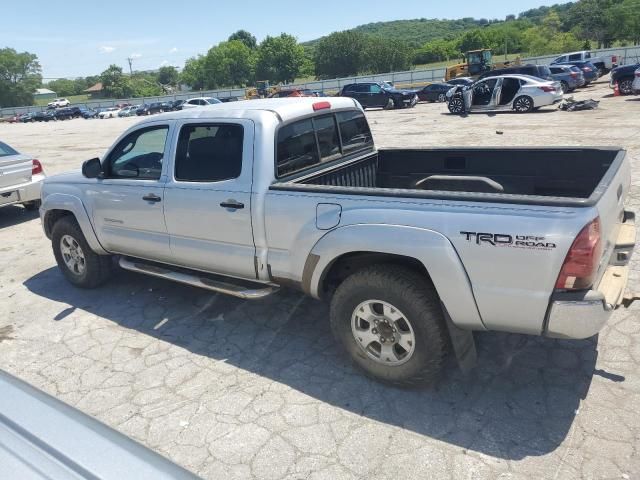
point(202, 280)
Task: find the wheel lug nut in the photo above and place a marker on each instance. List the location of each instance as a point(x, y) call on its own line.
point(393, 339)
point(374, 331)
point(382, 340)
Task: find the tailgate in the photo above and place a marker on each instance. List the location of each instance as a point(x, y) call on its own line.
point(15, 170)
point(615, 188)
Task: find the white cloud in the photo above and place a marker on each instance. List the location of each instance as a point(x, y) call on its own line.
point(135, 55)
point(106, 49)
point(164, 63)
point(173, 50)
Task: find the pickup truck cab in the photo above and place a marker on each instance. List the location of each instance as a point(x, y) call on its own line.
point(414, 248)
point(604, 63)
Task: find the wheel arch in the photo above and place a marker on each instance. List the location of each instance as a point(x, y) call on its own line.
point(346, 249)
point(56, 206)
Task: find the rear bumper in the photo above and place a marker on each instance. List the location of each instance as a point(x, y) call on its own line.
point(583, 314)
point(25, 192)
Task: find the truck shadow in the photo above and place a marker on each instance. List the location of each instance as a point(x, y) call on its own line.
point(15, 215)
point(521, 400)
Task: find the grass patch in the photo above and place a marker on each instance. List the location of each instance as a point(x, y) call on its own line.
point(42, 102)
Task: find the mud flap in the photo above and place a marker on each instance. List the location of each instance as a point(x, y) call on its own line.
point(463, 343)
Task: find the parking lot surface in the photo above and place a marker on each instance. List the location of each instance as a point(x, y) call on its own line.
point(232, 389)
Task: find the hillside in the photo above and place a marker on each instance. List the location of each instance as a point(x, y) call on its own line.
point(416, 32)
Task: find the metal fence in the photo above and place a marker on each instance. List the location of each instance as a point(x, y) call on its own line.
point(626, 55)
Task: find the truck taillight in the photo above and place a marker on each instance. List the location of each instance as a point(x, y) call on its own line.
point(581, 264)
point(36, 167)
point(614, 59)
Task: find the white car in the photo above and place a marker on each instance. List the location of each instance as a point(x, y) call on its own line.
point(59, 102)
point(21, 178)
point(200, 102)
point(111, 112)
point(636, 83)
point(520, 93)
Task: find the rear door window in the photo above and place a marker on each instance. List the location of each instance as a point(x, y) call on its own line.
point(575, 57)
point(209, 153)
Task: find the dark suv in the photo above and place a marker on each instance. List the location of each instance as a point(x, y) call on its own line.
point(540, 71)
point(379, 94)
point(624, 77)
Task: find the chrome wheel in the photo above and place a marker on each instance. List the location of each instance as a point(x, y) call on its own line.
point(442, 98)
point(626, 87)
point(523, 105)
point(383, 332)
point(72, 255)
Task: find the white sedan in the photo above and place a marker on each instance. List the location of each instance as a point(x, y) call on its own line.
point(21, 178)
point(111, 112)
point(636, 83)
point(519, 93)
point(200, 102)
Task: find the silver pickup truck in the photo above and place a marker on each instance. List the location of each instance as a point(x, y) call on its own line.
point(414, 248)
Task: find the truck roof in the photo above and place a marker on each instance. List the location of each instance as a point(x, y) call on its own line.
point(285, 108)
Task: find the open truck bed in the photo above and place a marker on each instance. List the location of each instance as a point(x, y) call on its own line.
point(536, 176)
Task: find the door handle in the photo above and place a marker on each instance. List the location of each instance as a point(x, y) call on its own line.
point(152, 197)
point(233, 204)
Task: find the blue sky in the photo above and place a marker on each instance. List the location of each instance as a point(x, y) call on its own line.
point(78, 38)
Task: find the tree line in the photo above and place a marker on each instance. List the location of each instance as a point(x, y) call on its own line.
point(374, 48)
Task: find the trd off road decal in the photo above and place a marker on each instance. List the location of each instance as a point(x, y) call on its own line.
point(506, 240)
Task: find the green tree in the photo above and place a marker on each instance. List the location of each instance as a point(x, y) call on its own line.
point(340, 54)
point(387, 55)
point(279, 59)
point(436, 51)
point(194, 73)
point(245, 37)
point(115, 84)
point(473, 40)
point(229, 64)
point(63, 87)
point(168, 75)
point(19, 77)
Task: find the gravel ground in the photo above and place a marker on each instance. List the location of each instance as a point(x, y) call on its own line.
point(232, 389)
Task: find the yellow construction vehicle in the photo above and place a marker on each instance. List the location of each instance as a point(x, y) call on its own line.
point(476, 62)
point(262, 90)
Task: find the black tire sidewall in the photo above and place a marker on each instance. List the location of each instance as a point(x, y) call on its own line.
point(94, 273)
point(425, 317)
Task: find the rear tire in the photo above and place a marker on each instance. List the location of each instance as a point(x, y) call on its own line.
point(408, 346)
point(391, 104)
point(523, 104)
point(442, 98)
point(79, 264)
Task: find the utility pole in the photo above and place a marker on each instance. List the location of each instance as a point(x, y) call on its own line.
point(130, 60)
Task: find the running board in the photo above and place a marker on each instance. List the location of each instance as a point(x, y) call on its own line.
point(199, 279)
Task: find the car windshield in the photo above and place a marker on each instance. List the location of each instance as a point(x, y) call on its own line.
point(212, 100)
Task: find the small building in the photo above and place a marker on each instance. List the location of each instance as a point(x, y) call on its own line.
point(95, 91)
point(44, 94)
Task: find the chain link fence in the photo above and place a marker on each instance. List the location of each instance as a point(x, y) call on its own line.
point(410, 78)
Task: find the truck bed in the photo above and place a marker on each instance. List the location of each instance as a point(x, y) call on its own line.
point(541, 176)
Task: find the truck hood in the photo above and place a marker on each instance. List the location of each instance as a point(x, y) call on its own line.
point(74, 176)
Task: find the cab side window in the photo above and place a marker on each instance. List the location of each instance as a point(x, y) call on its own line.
point(209, 152)
point(139, 155)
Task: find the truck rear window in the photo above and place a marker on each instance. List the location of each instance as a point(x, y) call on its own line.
point(312, 141)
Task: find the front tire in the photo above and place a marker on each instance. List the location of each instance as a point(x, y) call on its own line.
point(626, 86)
point(79, 264)
point(389, 320)
point(523, 104)
point(391, 104)
point(456, 105)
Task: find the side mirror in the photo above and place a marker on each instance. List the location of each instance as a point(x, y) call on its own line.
point(92, 168)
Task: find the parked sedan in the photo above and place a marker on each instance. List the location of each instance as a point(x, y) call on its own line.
point(68, 113)
point(464, 81)
point(520, 93)
point(177, 104)
point(111, 112)
point(21, 178)
point(44, 116)
point(128, 111)
point(379, 95)
point(151, 108)
point(624, 76)
point(436, 92)
point(589, 70)
point(200, 102)
point(569, 76)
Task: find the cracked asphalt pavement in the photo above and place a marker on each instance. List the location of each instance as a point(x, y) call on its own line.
point(233, 389)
